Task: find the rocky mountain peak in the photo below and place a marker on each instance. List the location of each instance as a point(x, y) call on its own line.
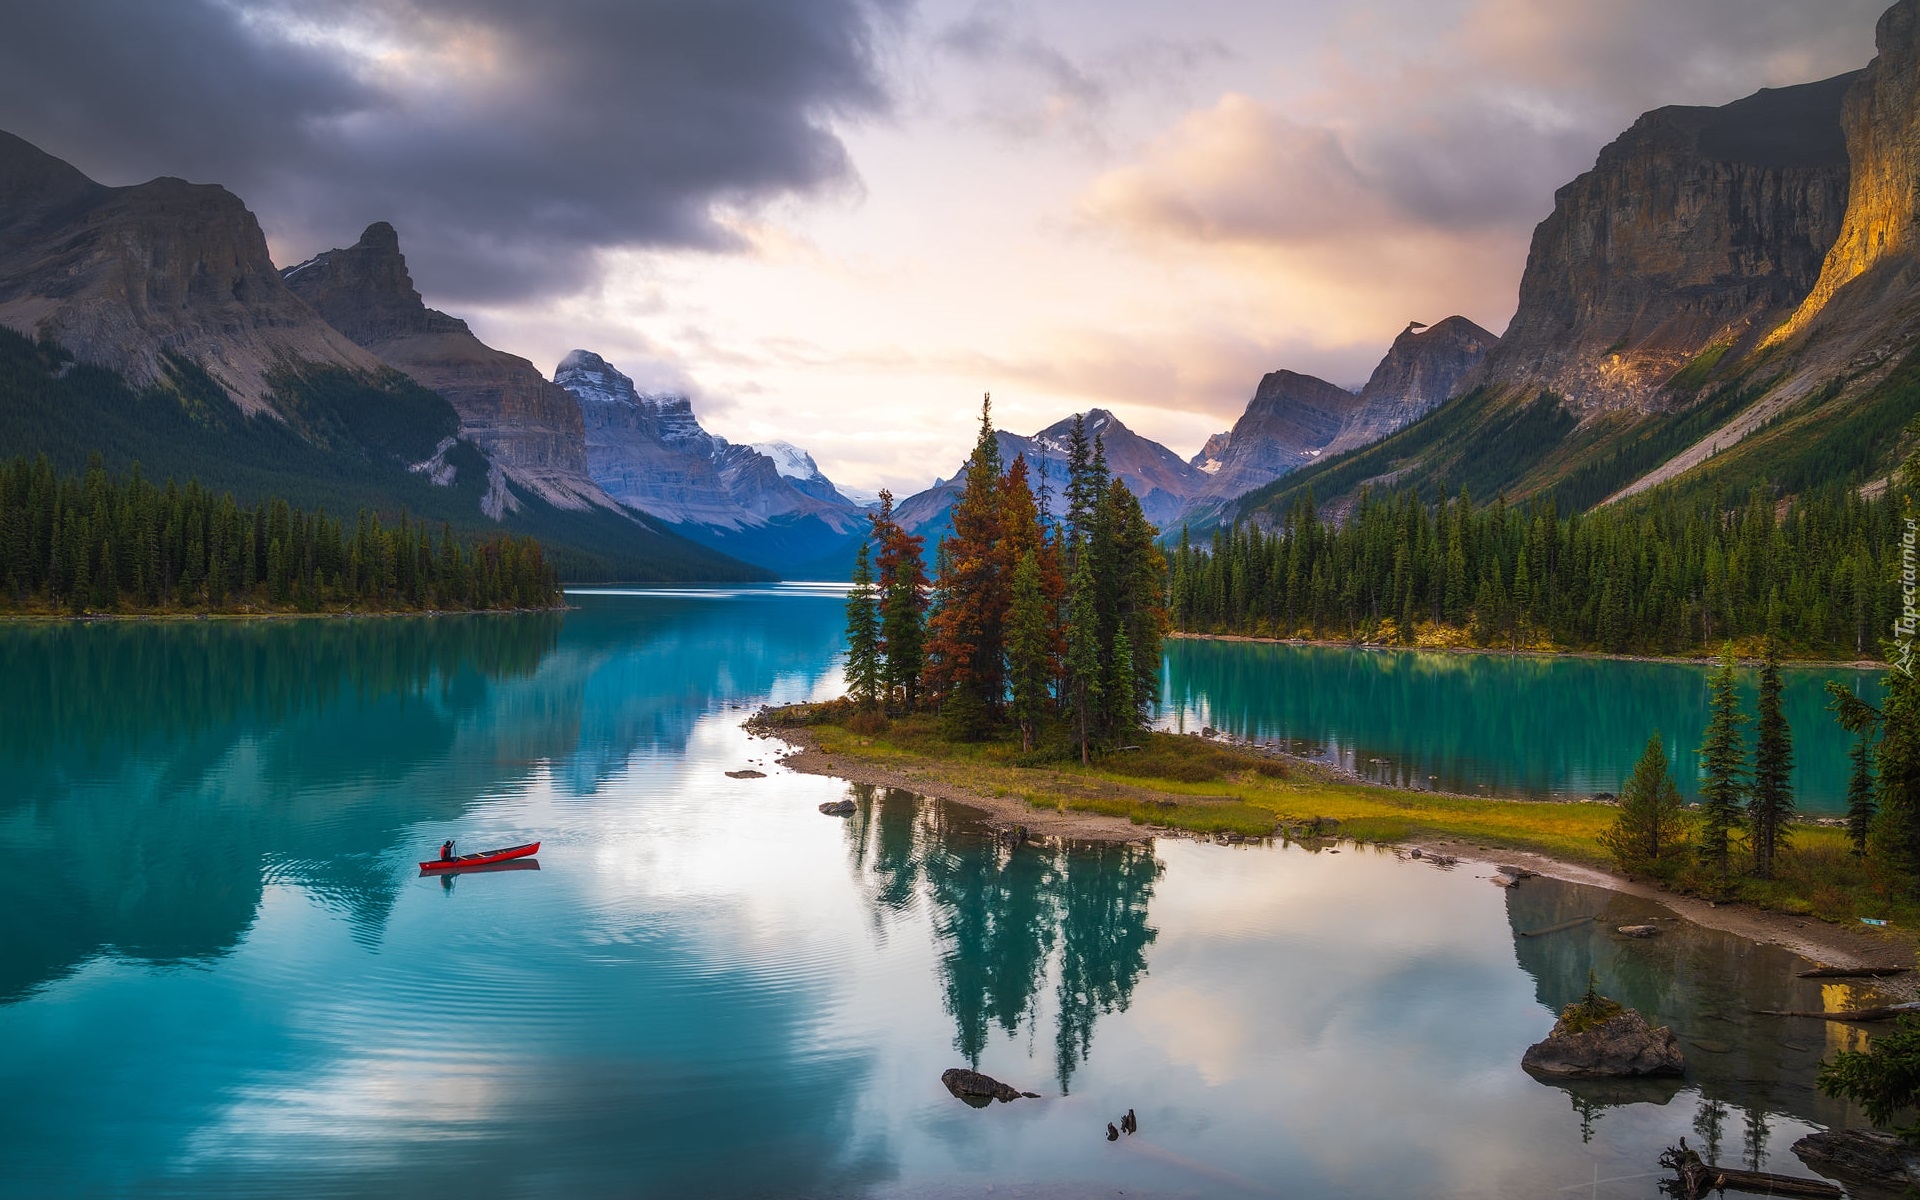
point(366, 292)
point(650, 453)
point(1696, 231)
point(1213, 454)
point(35, 184)
point(126, 276)
point(1422, 368)
point(1287, 425)
point(530, 427)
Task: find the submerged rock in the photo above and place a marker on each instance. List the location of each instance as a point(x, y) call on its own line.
point(1639, 931)
point(838, 808)
point(1862, 1156)
point(748, 773)
point(981, 1090)
point(1588, 1044)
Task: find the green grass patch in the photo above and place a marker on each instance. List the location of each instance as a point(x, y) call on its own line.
point(1189, 783)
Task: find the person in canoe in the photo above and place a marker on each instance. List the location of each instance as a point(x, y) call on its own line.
point(446, 850)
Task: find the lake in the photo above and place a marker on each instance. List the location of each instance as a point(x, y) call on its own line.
point(225, 975)
point(1528, 726)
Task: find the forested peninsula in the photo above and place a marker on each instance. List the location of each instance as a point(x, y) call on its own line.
point(1665, 576)
point(101, 544)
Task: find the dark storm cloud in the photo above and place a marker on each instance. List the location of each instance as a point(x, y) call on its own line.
point(506, 139)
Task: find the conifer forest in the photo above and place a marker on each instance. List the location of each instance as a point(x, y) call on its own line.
point(96, 543)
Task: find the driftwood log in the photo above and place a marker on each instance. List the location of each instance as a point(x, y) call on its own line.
point(1697, 1178)
point(1853, 972)
point(1885, 1012)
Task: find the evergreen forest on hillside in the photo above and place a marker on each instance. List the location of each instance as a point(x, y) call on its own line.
point(1050, 629)
point(1488, 442)
point(95, 543)
point(1666, 576)
point(345, 446)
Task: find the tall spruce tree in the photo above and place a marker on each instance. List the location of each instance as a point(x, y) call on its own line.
point(1030, 659)
point(864, 667)
point(1771, 806)
point(1860, 805)
point(902, 583)
point(1651, 830)
point(1723, 757)
point(1084, 670)
point(1122, 703)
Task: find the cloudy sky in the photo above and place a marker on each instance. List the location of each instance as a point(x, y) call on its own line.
point(839, 221)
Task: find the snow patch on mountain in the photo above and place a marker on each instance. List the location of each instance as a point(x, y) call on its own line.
point(789, 459)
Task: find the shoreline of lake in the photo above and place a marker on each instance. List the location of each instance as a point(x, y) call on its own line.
point(93, 618)
point(1697, 660)
point(1824, 942)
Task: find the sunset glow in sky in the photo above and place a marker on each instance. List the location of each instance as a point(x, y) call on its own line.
point(837, 222)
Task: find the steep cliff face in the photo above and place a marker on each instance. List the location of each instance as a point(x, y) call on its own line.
point(1847, 345)
point(1697, 231)
point(122, 276)
point(1881, 119)
point(1289, 423)
point(650, 453)
point(532, 429)
point(1421, 370)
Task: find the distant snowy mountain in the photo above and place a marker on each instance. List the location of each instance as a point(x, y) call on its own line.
point(767, 504)
point(797, 467)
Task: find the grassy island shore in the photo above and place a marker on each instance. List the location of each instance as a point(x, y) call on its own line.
point(1748, 652)
point(1175, 784)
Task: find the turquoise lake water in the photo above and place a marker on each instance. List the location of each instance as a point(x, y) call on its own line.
point(225, 975)
point(1491, 724)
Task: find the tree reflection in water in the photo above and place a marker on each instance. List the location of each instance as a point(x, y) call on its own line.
point(1007, 919)
point(1711, 989)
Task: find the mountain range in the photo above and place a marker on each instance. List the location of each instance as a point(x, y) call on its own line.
point(1729, 298)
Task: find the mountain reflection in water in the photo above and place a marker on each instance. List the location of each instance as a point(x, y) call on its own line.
point(226, 977)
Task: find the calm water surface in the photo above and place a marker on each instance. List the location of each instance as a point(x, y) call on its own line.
point(1491, 724)
point(225, 977)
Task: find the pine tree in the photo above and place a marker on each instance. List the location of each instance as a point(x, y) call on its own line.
point(1860, 805)
point(1772, 804)
point(1123, 708)
point(1084, 673)
point(902, 583)
point(863, 635)
point(1652, 826)
point(1030, 665)
point(1723, 764)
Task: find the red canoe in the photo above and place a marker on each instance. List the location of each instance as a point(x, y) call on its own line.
point(481, 859)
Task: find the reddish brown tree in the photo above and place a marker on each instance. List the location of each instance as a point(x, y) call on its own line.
point(965, 671)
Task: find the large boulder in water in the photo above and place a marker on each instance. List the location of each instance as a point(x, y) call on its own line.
point(1862, 1157)
point(1599, 1039)
point(981, 1090)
